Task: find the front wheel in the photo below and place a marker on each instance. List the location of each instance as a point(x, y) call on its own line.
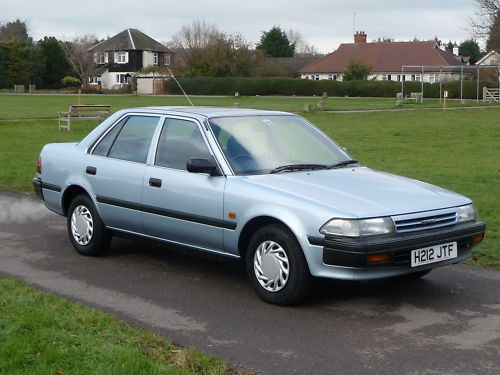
point(87, 233)
point(276, 266)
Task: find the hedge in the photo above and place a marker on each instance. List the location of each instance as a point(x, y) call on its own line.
point(304, 87)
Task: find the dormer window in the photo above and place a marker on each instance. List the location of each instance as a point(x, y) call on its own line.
point(121, 57)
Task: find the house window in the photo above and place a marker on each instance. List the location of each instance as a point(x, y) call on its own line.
point(121, 57)
point(316, 77)
point(386, 77)
point(432, 78)
point(167, 59)
point(416, 77)
point(95, 80)
point(155, 58)
point(100, 57)
point(122, 78)
point(401, 77)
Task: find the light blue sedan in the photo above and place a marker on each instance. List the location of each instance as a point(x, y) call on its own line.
point(265, 187)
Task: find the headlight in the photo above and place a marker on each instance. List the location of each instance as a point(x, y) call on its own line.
point(466, 213)
point(357, 228)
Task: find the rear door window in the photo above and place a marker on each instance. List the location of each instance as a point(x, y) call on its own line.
point(129, 140)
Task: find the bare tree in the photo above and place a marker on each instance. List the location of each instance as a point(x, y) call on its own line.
point(301, 47)
point(486, 13)
point(193, 41)
point(80, 58)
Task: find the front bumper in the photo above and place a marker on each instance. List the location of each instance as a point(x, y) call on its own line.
point(347, 258)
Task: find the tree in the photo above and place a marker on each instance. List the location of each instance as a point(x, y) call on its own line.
point(470, 48)
point(486, 14)
point(210, 52)
point(15, 30)
point(56, 64)
point(228, 56)
point(302, 48)
point(21, 63)
point(356, 71)
point(194, 41)
point(493, 42)
point(275, 43)
point(80, 58)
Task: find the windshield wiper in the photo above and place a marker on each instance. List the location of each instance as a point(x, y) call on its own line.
point(298, 167)
point(342, 163)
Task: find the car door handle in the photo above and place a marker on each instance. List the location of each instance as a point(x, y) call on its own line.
point(154, 182)
point(91, 170)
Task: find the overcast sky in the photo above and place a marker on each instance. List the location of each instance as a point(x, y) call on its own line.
point(322, 23)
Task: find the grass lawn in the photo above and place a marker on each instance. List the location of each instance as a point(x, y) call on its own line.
point(47, 106)
point(44, 334)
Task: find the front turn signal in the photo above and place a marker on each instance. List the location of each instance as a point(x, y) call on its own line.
point(379, 258)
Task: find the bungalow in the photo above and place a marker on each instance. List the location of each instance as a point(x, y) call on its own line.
point(387, 60)
point(124, 55)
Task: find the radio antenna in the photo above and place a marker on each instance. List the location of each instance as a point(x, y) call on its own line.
point(178, 84)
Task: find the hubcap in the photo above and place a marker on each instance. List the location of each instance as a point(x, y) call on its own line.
point(82, 225)
point(271, 266)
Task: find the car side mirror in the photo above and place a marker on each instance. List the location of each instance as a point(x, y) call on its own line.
point(202, 165)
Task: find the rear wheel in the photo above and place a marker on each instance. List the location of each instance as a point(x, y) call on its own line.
point(276, 266)
point(86, 231)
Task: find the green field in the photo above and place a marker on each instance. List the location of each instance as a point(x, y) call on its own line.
point(459, 150)
point(44, 334)
point(47, 106)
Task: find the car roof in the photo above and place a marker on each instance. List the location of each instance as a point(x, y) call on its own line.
point(210, 112)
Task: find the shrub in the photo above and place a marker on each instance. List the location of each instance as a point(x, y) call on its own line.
point(250, 86)
point(70, 82)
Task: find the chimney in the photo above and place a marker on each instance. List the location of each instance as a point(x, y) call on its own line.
point(360, 37)
point(455, 51)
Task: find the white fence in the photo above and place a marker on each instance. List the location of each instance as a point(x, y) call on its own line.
point(491, 95)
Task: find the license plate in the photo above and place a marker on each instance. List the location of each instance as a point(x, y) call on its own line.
point(433, 254)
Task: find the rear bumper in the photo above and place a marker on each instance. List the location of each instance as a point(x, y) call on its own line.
point(37, 186)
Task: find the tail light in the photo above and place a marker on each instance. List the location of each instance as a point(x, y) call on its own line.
point(39, 165)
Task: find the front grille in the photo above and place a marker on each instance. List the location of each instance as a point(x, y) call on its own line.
point(424, 220)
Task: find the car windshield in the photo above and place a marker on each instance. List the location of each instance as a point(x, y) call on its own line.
point(273, 144)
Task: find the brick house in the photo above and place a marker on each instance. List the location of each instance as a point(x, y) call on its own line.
point(386, 60)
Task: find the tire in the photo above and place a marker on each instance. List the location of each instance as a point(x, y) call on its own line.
point(87, 233)
point(276, 266)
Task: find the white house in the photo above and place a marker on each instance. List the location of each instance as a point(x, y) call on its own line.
point(491, 58)
point(124, 55)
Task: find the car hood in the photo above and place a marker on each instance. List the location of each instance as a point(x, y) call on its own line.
point(360, 192)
